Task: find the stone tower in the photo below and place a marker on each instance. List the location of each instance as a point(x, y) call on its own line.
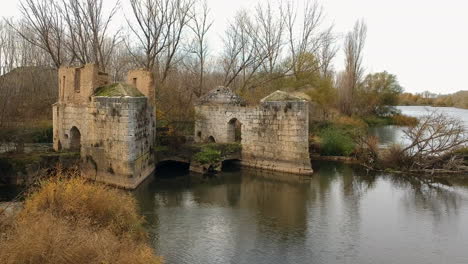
point(273, 135)
point(111, 125)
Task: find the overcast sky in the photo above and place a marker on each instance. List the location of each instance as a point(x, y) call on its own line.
point(423, 42)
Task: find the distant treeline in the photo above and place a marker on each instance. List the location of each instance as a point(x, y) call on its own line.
point(458, 99)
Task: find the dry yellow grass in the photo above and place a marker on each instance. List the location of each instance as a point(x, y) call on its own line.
point(350, 121)
point(74, 221)
point(404, 120)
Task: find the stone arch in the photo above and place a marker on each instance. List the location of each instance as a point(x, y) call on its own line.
point(210, 139)
point(75, 139)
point(234, 130)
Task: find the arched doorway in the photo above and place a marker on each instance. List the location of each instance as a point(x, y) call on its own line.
point(75, 139)
point(234, 130)
point(211, 139)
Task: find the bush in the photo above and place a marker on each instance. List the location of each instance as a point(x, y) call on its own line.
point(214, 152)
point(208, 155)
point(394, 158)
point(404, 120)
point(377, 121)
point(348, 121)
point(74, 221)
point(336, 142)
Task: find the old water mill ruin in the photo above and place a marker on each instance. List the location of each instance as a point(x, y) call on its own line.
point(113, 126)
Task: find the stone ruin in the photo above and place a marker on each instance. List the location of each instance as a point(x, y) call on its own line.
point(273, 135)
point(111, 125)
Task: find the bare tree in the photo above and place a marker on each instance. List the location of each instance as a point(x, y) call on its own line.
point(305, 38)
point(270, 33)
point(243, 55)
point(88, 38)
point(327, 52)
point(200, 26)
point(353, 48)
point(432, 138)
point(43, 27)
point(159, 30)
point(149, 30)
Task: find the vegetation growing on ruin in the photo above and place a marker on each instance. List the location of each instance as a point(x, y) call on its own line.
point(214, 152)
point(68, 219)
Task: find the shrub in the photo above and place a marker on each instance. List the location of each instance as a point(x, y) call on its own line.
point(74, 221)
point(208, 155)
point(46, 238)
point(348, 121)
point(75, 199)
point(214, 152)
point(394, 157)
point(377, 121)
point(404, 120)
point(335, 142)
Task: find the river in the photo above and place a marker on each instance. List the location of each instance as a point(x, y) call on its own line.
point(342, 214)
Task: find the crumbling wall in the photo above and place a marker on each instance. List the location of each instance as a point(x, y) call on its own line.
point(143, 80)
point(274, 135)
point(77, 84)
point(117, 137)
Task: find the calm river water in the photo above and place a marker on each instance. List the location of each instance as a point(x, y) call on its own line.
point(341, 214)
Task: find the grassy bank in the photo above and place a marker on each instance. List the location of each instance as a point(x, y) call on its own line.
point(39, 132)
point(339, 136)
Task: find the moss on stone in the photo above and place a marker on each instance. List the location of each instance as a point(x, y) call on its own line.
point(280, 96)
point(118, 89)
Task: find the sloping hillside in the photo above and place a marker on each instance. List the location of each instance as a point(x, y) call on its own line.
point(27, 93)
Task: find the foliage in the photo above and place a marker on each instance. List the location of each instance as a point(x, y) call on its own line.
point(208, 155)
point(71, 220)
point(214, 152)
point(458, 99)
point(336, 142)
point(395, 119)
point(377, 93)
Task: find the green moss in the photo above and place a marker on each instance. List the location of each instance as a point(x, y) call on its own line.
point(281, 96)
point(118, 89)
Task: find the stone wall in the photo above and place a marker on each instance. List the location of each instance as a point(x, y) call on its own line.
point(77, 84)
point(143, 81)
point(274, 135)
point(117, 135)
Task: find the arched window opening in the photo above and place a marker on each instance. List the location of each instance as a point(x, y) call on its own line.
point(234, 130)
